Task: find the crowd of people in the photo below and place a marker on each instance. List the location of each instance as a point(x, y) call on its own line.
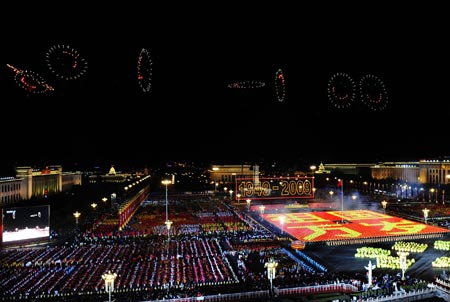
point(213, 248)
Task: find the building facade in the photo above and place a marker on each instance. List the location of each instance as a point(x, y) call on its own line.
point(425, 171)
point(29, 183)
point(427, 179)
point(227, 174)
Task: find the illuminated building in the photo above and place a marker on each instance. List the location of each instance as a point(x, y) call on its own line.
point(425, 171)
point(38, 183)
point(227, 174)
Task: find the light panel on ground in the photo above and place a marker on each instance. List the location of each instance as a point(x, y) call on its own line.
point(323, 226)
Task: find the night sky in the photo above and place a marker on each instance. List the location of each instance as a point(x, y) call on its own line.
point(189, 113)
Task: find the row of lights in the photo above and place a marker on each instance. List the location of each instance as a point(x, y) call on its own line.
point(94, 205)
point(109, 277)
point(425, 211)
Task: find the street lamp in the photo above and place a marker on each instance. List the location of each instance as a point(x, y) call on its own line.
point(282, 218)
point(76, 215)
point(402, 258)
point(104, 199)
point(168, 223)
point(384, 204)
point(249, 201)
point(215, 169)
point(312, 168)
point(341, 185)
point(231, 195)
point(271, 270)
point(261, 209)
point(94, 205)
point(109, 282)
point(238, 196)
point(425, 214)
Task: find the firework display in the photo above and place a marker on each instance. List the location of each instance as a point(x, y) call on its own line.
point(144, 70)
point(280, 86)
point(30, 81)
point(246, 85)
point(341, 90)
point(373, 92)
point(65, 62)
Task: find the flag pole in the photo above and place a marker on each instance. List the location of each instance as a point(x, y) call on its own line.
point(342, 200)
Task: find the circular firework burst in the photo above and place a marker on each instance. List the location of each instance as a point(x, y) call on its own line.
point(280, 86)
point(246, 85)
point(65, 62)
point(30, 81)
point(341, 90)
point(144, 70)
point(373, 92)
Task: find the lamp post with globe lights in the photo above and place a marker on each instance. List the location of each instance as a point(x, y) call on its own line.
point(282, 218)
point(76, 215)
point(425, 214)
point(271, 266)
point(105, 199)
point(331, 195)
point(261, 209)
point(384, 204)
point(215, 169)
point(403, 262)
point(94, 207)
point(168, 223)
point(109, 282)
point(249, 201)
point(313, 169)
point(261, 212)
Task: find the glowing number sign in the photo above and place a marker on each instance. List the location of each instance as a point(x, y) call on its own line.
point(275, 188)
point(246, 85)
point(280, 86)
point(144, 70)
point(65, 62)
point(30, 81)
point(341, 90)
point(373, 92)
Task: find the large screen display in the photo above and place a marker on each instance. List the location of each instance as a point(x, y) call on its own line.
point(275, 187)
point(25, 223)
